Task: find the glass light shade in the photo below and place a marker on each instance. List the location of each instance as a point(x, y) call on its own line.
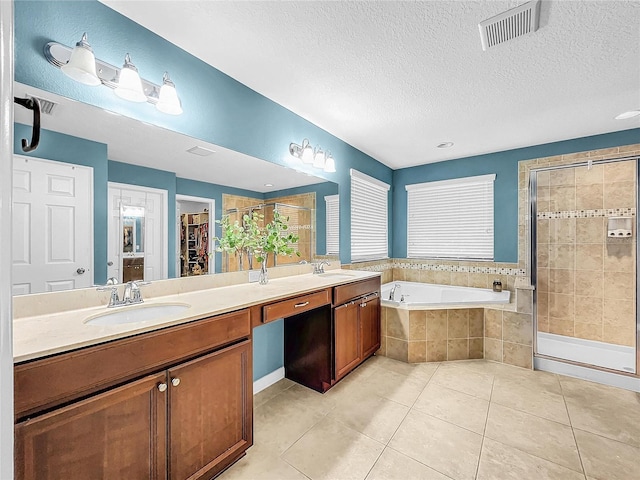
point(129, 84)
point(82, 65)
point(330, 164)
point(307, 154)
point(318, 159)
point(168, 101)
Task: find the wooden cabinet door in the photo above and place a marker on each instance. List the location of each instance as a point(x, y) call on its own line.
point(210, 412)
point(370, 325)
point(117, 434)
point(347, 338)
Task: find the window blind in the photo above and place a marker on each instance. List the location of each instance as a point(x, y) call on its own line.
point(369, 197)
point(333, 224)
point(451, 218)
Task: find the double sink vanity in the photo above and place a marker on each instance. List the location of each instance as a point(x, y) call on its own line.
point(164, 389)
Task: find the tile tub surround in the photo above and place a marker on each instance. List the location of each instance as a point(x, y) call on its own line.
point(474, 419)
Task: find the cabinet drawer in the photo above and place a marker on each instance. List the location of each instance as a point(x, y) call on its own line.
point(296, 305)
point(49, 382)
point(344, 293)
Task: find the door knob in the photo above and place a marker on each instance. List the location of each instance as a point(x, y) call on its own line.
point(80, 271)
point(162, 387)
point(175, 382)
point(109, 263)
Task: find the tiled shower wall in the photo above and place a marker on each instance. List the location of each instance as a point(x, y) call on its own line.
point(586, 280)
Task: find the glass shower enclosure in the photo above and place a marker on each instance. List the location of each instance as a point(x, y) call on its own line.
point(584, 263)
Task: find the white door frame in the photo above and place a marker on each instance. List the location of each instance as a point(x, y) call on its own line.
point(6, 180)
point(165, 217)
point(212, 218)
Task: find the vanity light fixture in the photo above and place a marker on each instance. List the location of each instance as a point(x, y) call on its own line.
point(129, 84)
point(80, 64)
point(313, 156)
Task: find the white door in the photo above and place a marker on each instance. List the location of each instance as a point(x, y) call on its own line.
point(154, 248)
point(52, 226)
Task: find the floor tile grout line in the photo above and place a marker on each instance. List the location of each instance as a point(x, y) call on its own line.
point(604, 437)
point(573, 432)
point(419, 461)
point(484, 430)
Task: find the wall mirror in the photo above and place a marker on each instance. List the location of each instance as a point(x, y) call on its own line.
point(152, 196)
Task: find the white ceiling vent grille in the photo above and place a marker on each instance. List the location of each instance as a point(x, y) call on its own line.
point(203, 152)
point(510, 24)
point(46, 106)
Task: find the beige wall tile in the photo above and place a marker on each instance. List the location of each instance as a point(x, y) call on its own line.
point(458, 349)
point(476, 322)
point(476, 348)
point(620, 171)
point(543, 178)
point(542, 279)
point(518, 355)
point(436, 325)
point(411, 275)
point(619, 195)
point(619, 257)
point(493, 349)
point(417, 352)
point(397, 349)
point(619, 312)
point(562, 198)
point(561, 327)
point(561, 281)
point(619, 335)
point(479, 280)
point(619, 285)
point(417, 325)
point(588, 309)
point(383, 320)
point(442, 278)
point(543, 229)
point(398, 323)
point(589, 282)
point(517, 328)
point(458, 323)
point(588, 331)
point(436, 351)
point(589, 256)
point(561, 306)
point(543, 324)
point(544, 195)
point(590, 230)
point(565, 176)
point(524, 301)
point(460, 279)
point(543, 304)
point(586, 176)
point(589, 197)
point(562, 256)
point(428, 276)
point(562, 230)
point(493, 323)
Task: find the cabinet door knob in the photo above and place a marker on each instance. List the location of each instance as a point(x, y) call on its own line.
point(162, 387)
point(175, 382)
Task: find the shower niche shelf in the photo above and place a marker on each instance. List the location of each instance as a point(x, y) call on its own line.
point(620, 227)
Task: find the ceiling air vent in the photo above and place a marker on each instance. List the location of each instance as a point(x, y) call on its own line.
point(46, 106)
point(510, 24)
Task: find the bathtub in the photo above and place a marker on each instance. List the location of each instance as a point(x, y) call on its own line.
point(427, 295)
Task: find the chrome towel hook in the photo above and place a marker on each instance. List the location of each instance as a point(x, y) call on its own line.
point(31, 104)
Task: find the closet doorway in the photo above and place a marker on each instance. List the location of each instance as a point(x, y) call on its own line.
point(195, 230)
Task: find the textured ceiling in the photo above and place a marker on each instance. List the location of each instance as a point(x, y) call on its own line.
point(395, 79)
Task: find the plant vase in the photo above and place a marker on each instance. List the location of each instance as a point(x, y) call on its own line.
point(263, 279)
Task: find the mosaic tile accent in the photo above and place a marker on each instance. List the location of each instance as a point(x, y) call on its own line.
point(603, 212)
point(440, 267)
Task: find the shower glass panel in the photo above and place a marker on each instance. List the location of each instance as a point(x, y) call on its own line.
point(584, 245)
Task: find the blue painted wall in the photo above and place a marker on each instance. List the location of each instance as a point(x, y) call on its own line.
point(65, 148)
point(505, 166)
point(217, 108)
point(268, 348)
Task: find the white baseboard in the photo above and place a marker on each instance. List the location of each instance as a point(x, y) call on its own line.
point(268, 380)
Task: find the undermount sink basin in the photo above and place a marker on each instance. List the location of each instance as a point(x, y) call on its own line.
point(137, 313)
point(337, 275)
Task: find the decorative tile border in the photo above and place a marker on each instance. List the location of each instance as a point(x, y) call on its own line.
point(438, 267)
point(602, 212)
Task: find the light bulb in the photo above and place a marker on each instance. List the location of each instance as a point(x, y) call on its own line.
point(318, 158)
point(307, 153)
point(82, 65)
point(168, 101)
point(330, 164)
point(129, 84)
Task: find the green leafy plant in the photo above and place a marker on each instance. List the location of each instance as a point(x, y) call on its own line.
point(238, 237)
point(274, 238)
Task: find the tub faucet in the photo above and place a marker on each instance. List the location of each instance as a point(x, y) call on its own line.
point(392, 293)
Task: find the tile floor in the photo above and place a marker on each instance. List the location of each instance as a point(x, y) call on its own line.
point(456, 420)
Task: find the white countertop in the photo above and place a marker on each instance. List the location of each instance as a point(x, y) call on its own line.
point(43, 335)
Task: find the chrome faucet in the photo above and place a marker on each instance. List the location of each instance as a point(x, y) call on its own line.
point(392, 293)
point(130, 296)
point(318, 267)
